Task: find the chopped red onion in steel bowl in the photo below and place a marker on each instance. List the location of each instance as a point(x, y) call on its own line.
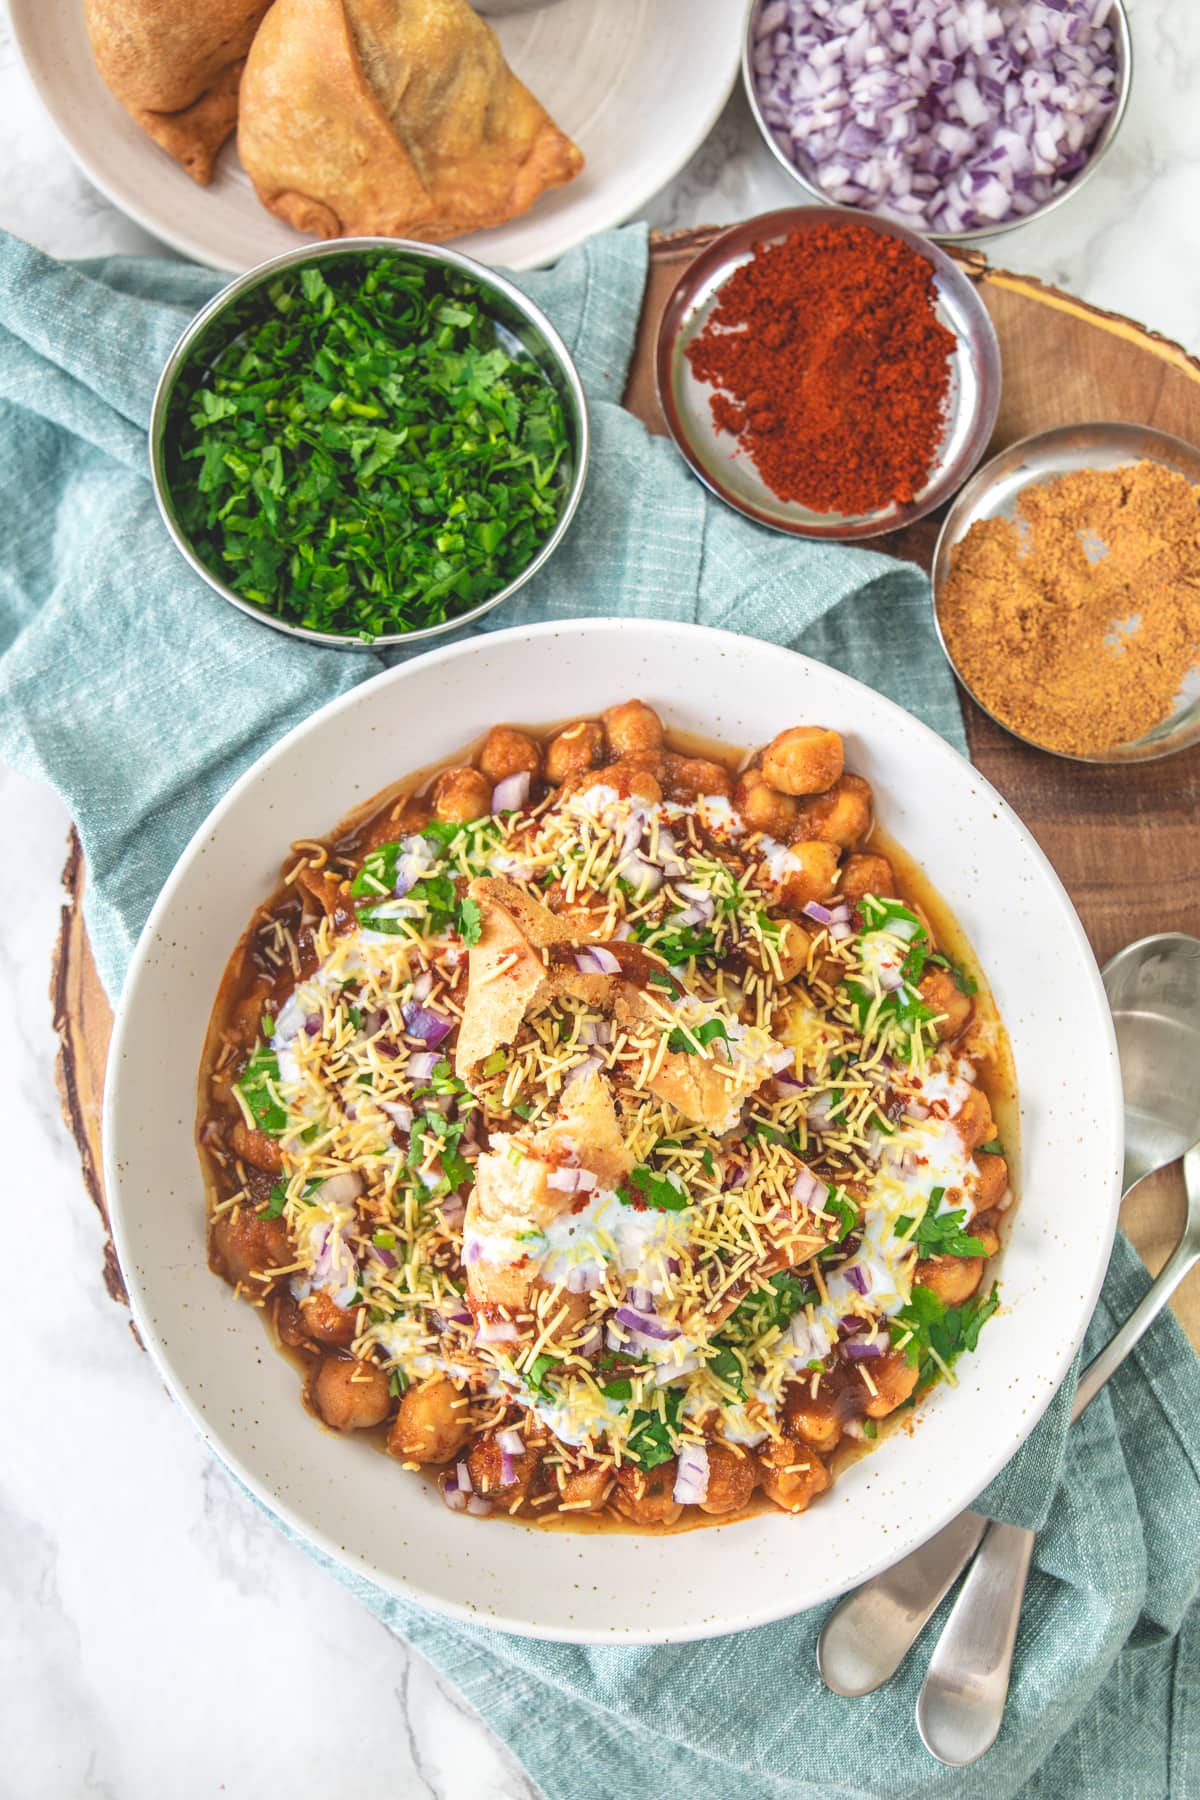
point(951, 116)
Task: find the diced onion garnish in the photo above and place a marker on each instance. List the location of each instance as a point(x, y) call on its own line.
point(949, 115)
point(463, 1476)
point(814, 910)
point(856, 1350)
point(571, 1181)
point(496, 1331)
point(807, 1190)
point(511, 1441)
point(397, 1111)
point(596, 960)
point(426, 1026)
point(478, 1506)
point(590, 1065)
point(858, 1278)
point(645, 1324)
point(691, 1475)
point(511, 794)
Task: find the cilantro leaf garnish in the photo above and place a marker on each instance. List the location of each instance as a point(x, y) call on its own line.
point(940, 1235)
point(768, 1308)
point(728, 1368)
point(364, 454)
point(259, 1088)
point(664, 1193)
point(470, 921)
point(676, 947)
point(536, 1373)
point(276, 1203)
point(933, 1335)
point(652, 1435)
point(711, 1032)
point(993, 1148)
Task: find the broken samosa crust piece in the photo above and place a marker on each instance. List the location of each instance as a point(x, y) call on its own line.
point(509, 974)
point(396, 118)
point(706, 1089)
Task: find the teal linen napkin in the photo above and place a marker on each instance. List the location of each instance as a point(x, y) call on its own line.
point(138, 694)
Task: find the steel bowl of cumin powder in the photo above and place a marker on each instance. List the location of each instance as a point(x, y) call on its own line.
point(1067, 592)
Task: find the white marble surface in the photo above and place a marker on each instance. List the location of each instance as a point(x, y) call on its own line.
point(150, 1619)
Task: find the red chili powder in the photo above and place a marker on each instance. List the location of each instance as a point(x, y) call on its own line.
point(832, 367)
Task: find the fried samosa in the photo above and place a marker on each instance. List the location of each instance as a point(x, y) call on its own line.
point(394, 118)
point(174, 65)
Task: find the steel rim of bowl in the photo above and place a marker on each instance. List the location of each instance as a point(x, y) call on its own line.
point(951, 477)
point(967, 495)
point(307, 253)
point(1107, 136)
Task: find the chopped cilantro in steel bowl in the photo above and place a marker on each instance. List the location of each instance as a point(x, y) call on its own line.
point(370, 450)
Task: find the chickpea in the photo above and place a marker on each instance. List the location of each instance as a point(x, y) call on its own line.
point(895, 1378)
point(630, 778)
point(993, 1181)
point(814, 1421)
point(791, 947)
point(647, 1498)
point(986, 1228)
point(289, 1323)
point(763, 807)
point(863, 874)
point(952, 1278)
point(327, 1323)
point(256, 1148)
point(940, 991)
point(812, 875)
point(507, 752)
point(246, 1016)
point(348, 1395)
point(433, 1422)
point(792, 1475)
point(974, 1120)
point(242, 1243)
point(687, 777)
point(460, 795)
point(807, 759)
point(631, 727)
point(486, 1465)
point(842, 816)
point(574, 751)
point(732, 1479)
point(585, 1489)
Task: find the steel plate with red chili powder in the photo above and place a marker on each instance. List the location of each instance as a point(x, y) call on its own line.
point(832, 367)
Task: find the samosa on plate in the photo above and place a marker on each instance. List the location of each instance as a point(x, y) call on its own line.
point(174, 65)
point(395, 118)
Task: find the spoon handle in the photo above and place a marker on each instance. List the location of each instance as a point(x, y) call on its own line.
point(961, 1704)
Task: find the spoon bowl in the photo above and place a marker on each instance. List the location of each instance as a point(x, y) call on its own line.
point(1153, 989)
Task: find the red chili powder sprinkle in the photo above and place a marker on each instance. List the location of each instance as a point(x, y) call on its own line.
point(832, 367)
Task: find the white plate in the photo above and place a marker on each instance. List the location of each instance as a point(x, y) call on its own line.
point(638, 85)
point(390, 1526)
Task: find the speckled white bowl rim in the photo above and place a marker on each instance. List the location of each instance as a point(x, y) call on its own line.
point(389, 1526)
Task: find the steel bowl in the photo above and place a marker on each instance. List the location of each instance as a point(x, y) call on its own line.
point(994, 493)
point(516, 319)
point(1118, 23)
point(974, 397)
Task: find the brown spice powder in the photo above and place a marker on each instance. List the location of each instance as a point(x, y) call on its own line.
point(1077, 623)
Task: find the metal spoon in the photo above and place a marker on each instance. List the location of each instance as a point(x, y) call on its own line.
point(1154, 991)
point(961, 1704)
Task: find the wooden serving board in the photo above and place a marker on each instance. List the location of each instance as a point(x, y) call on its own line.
point(1126, 841)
